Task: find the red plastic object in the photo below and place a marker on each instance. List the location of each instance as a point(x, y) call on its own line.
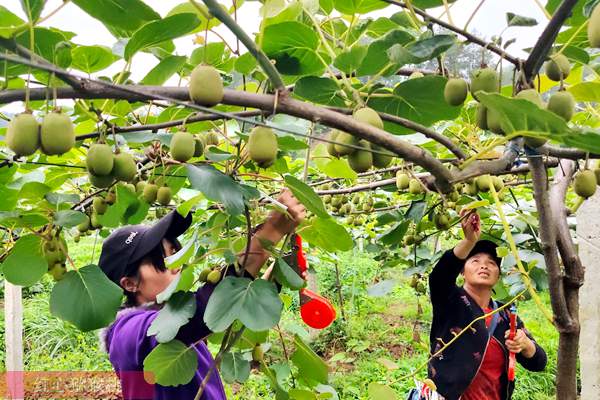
point(513, 331)
point(316, 311)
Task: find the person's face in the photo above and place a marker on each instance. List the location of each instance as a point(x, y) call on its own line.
point(152, 282)
point(481, 270)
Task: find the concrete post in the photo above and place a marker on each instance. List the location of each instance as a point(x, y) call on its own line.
point(13, 323)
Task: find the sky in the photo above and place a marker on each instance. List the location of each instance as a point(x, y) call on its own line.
point(490, 20)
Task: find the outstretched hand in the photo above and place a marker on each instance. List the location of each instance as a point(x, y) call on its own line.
point(282, 223)
point(471, 225)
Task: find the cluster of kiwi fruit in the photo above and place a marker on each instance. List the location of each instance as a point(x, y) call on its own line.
point(210, 275)
point(53, 136)
point(104, 166)
point(405, 182)
point(54, 249)
point(417, 282)
point(184, 145)
point(369, 155)
point(350, 206)
point(585, 182)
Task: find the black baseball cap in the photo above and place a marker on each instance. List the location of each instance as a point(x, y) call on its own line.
point(131, 243)
point(488, 247)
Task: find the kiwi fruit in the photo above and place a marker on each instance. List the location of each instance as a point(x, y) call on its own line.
point(361, 160)
point(211, 139)
point(206, 86)
point(85, 225)
point(442, 221)
point(498, 183)
point(416, 74)
point(204, 274)
point(455, 91)
point(597, 172)
point(593, 29)
point(163, 195)
point(124, 168)
point(484, 183)
point(481, 117)
point(58, 271)
point(585, 183)
point(331, 146)
point(95, 222)
point(409, 240)
point(150, 193)
point(531, 95)
point(139, 187)
point(414, 186)
point(470, 189)
point(57, 135)
point(99, 205)
point(214, 277)
point(183, 146)
point(23, 134)
point(402, 180)
point(198, 146)
point(381, 160)
point(262, 146)
point(368, 116)
point(344, 139)
point(558, 68)
point(100, 159)
point(100, 181)
point(257, 353)
point(486, 80)
point(77, 237)
point(562, 104)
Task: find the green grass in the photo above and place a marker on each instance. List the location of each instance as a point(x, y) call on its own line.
point(382, 339)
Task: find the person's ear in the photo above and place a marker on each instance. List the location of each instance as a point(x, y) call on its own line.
point(128, 284)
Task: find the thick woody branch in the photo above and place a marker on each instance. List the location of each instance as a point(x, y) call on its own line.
point(504, 163)
point(563, 152)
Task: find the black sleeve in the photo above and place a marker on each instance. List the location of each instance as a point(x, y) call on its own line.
point(539, 360)
point(442, 280)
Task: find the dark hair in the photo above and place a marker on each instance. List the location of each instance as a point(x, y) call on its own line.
point(156, 257)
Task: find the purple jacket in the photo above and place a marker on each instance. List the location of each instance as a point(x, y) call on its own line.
point(128, 344)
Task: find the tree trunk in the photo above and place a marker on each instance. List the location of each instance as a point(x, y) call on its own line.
point(566, 371)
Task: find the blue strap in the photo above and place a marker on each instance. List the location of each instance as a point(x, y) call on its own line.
point(495, 319)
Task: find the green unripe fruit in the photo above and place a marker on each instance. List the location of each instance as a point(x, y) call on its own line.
point(100, 159)
point(350, 220)
point(198, 147)
point(214, 277)
point(206, 86)
point(95, 222)
point(593, 30)
point(558, 67)
point(85, 225)
point(140, 186)
point(484, 183)
point(597, 172)
point(100, 181)
point(257, 353)
point(327, 199)
point(344, 139)
point(204, 274)
point(99, 205)
point(111, 197)
point(381, 160)
point(402, 180)
point(455, 91)
point(368, 116)
point(262, 146)
point(23, 134)
point(414, 187)
point(182, 146)
point(58, 271)
point(336, 201)
point(482, 117)
point(409, 240)
point(494, 121)
point(471, 188)
point(416, 75)
point(498, 183)
point(77, 237)
point(130, 187)
point(163, 195)
point(211, 139)
point(442, 222)
point(562, 104)
point(124, 168)
point(585, 183)
point(531, 95)
point(150, 192)
point(414, 281)
point(361, 160)
point(486, 80)
point(331, 146)
point(57, 135)
point(454, 196)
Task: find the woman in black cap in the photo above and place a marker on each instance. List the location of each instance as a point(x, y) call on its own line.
point(134, 258)
point(475, 367)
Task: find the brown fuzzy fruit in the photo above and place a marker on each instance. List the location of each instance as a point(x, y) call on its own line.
point(23, 134)
point(206, 86)
point(100, 159)
point(183, 146)
point(125, 168)
point(57, 135)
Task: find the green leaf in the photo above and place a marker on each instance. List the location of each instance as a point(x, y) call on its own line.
point(255, 304)
point(589, 7)
point(306, 195)
point(395, 235)
point(206, 22)
point(245, 64)
point(416, 211)
point(293, 46)
point(92, 58)
point(234, 368)
point(21, 219)
point(285, 275)
point(519, 20)
point(350, 7)
point(183, 255)
point(125, 210)
point(209, 54)
point(184, 208)
point(377, 391)
point(33, 9)
point(319, 90)
point(430, 47)
point(217, 186)
point(576, 16)
point(377, 56)
point(86, 298)
point(587, 141)
point(69, 218)
point(476, 204)
point(164, 70)
point(311, 366)
point(180, 308)
point(302, 394)
point(121, 17)
point(337, 168)
point(171, 364)
point(586, 91)
point(58, 198)
point(349, 60)
point(8, 22)
point(156, 32)
point(328, 235)
point(25, 264)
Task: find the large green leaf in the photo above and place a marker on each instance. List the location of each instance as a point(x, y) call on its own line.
point(285, 275)
point(69, 218)
point(319, 90)
point(8, 22)
point(421, 50)
point(430, 3)
point(377, 391)
point(164, 70)
point(86, 298)
point(25, 265)
point(350, 7)
point(234, 368)
point(577, 17)
point(328, 235)
point(92, 58)
point(128, 209)
point(217, 186)
point(306, 195)
point(33, 9)
point(311, 366)
point(586, 91)
point(180, 308)
point(377, 53)
point(349, 60)
point(156, 32)
point(184, 254)
point(293, 46)
point(171, 364)
point(256, 304)
point(122, 17)
point(420, 100)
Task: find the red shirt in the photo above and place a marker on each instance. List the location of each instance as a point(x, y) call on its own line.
point(486, 384)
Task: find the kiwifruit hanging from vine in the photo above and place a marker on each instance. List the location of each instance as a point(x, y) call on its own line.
point(585, 183)
point(57, 135)
point(100, 159)
point(262, 146)
point(531, 95)
point(344, 139)
point(101, 181)
point(111, 196)
point(84, 226)
point(139, 187)
point(212, 139)
point(381, 160)
point(593, 29)
point(214, 276)
point(257, 353)
point(331, 146)
point(183, 146)
point(455, 91)
point(204, 274)
point(562, 104)
point(493, 120)
point(206, 86)
point(198, 146)
point(125, 168)
point(558, 67)
point(95, 221)
point(442, 221)
point(58, 271)
point(164, 195)
point(498, 183)
point(484, 182)
point(99, 205)
point(361, 160)
point(414, 186)
point(597, 173)
point(150, 192)
point(368, 116)
point(485, 79)
point(402, 180)
point(23, 134)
